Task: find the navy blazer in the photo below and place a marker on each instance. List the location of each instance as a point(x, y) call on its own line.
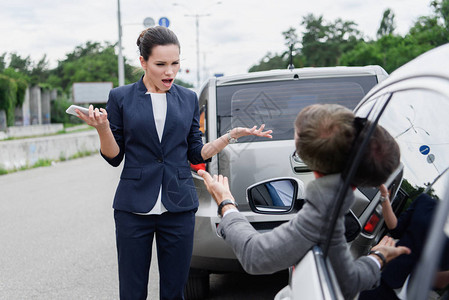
point(412, 229)
point(148, 161)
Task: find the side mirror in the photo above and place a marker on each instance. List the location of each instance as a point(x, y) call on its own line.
point(274, 196)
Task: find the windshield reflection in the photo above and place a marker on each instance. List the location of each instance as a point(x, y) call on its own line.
point(419, 121)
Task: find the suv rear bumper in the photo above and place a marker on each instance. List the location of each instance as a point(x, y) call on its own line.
point(211, 252)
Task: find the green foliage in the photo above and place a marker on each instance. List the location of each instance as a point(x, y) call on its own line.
point(2, 62)
point(291, 37)
point(341, 43)
point(19, 64)
point(428, 31)
point(40, 72)
point(42, 163)
point(392, 51)
point(80, 154)
point(22, 82)
point(8, 97)
point(387, 25)
point(183, 83)
point(270, 62)
point(3, 171)
point(323, 43)
point(58, 114)
point(412, 191)
point(91, 62)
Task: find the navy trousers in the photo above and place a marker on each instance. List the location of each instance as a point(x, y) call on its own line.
point(174, 241)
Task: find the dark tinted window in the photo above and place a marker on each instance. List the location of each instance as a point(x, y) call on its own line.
point(276, 104)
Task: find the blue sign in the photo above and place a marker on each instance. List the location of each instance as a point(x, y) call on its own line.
point(424, 149)
point(164, 22)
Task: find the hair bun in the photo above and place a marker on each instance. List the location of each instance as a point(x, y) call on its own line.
point(140, 38)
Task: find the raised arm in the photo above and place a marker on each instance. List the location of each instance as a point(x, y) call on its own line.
point(212, 148)
point(108, 145)
point(390, 218)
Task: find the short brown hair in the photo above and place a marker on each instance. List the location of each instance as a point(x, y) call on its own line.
point(380, 159)
point(324, 137)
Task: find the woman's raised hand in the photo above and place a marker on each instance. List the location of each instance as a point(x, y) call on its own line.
point(95, 118)
point(243, 131)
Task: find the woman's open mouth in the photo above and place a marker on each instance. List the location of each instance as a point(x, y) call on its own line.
point(167, 82)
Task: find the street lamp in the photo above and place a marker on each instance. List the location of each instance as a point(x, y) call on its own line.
point(197, 25)
point(121, 65)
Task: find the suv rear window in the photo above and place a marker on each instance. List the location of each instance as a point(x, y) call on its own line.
point(276, 103)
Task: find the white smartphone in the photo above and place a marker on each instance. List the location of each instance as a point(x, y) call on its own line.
point(71, 110)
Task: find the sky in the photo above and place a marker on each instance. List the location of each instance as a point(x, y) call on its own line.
point(233, 35)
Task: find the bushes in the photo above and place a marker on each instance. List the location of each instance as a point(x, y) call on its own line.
point(12, 94)
point(58, 114)
point(8, 97)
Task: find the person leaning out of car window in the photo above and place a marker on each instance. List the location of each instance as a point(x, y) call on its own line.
point(324, 135)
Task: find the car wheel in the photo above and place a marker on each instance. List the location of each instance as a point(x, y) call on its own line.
point(197, 286)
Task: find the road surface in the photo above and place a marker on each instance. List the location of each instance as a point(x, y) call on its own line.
point(57, 238)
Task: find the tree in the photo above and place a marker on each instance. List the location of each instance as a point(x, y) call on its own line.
point(432, 30)
point(323, 44)
point(291, 38)
point(39, 72)
point(19, 64)
point(2, 62)
point(91, 62)
point(441, 8)
point(8, 97)
point(387, 25)
point(392, 51)
point(270, 62)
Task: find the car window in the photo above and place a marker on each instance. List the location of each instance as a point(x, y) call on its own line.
point(410, 118)
point(277, 103)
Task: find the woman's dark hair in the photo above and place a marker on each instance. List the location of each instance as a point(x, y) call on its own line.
point(155, 36)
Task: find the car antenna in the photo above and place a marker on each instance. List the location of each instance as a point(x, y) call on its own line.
point(290, 64)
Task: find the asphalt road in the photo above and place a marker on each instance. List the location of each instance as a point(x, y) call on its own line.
point(57, 238)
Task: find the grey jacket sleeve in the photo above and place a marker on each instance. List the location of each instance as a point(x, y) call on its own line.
point(264, 253)
point(352, 275)
point(285, 245)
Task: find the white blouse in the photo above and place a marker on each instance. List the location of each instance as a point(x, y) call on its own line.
point(159, 102)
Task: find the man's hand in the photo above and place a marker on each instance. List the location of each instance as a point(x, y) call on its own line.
point(387, 247)
point(217, 186)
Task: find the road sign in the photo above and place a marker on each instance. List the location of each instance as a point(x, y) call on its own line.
point(164, 22)
point(91, 92)
point(430, 158)
point(148, 22)
point(424, 149)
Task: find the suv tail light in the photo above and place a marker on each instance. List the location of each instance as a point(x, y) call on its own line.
point(198, 167)
point(372, 223)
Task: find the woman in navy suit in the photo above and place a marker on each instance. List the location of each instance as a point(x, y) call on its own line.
point(154, 125)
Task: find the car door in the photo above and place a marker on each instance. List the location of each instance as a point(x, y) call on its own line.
point(413, 105)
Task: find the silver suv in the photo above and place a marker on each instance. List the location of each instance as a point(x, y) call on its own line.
point(272, 98)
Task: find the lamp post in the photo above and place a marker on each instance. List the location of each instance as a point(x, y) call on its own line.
point(197, 25)
point(121, 67)
point(197, 28)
